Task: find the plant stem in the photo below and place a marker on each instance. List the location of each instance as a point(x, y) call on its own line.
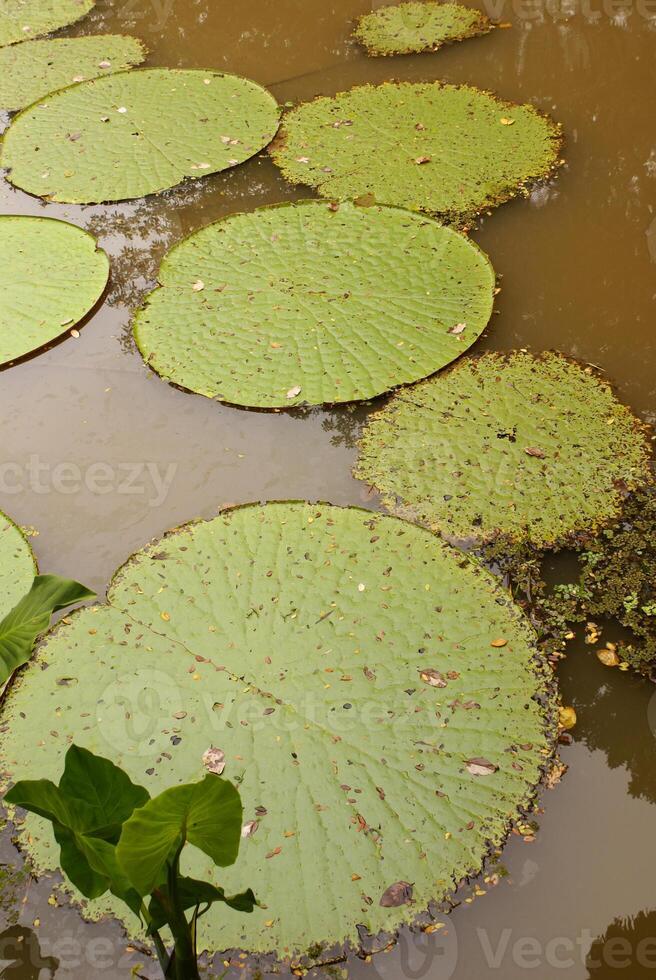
point(160, 948)
point(184, 962)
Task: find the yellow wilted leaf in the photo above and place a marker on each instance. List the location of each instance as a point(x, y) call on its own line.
point(566, 717)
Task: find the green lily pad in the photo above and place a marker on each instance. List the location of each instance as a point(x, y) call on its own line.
point(422, 26)
point(21, 20)
point(136, 133)
point(348, 665)
point(17, 565)
point(51, 275)
point(31, 70)
point(445, 149)
point(533, 448)
point(310, 304)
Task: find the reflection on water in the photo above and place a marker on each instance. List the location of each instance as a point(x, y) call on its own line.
point(20, 950)
point(629, 944)
point(577, 262)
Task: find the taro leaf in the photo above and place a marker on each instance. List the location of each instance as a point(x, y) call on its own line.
point(31, 616)
point(51, 275)
point(454, 452)
point(354, 768)
point(24, 19)
point(429, 147)
point(87, 811)
point(206, 814)
point(423, 26)
point(17, 565)
point(191, 893)
point(31, 70)
point(304, 304)
point(136, 133)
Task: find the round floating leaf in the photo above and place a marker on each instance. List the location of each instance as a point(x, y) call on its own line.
point(51, 275)
point(24, 19)
point(305, 642)
point(31, 70)
point(423, 26)
point(136, 133)
point(304, 303)
point(536, 448)
point(17, 565)
point(445, 149)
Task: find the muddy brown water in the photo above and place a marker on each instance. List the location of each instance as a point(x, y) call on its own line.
point(578, 261)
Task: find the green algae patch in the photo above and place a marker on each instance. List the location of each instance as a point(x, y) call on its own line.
point(348, 666)
point(51, 275)
point(414, 27)
point(17, 565)
point(21, 20)
point(136, 133)
point(535, 449)
point(310, 304)
point(618, 580)
point(444, 149)
point(31, 70)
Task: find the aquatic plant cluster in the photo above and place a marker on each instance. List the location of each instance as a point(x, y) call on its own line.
point(382, 702)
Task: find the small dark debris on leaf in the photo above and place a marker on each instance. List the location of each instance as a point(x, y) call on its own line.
point(432, 677)
point(400, 893)
point(481, 767)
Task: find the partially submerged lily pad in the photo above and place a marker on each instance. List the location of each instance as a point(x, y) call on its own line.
point(418, 26)
point(444, 149)
point(21, 20)
point(136, 133)
point(51, 275)
point(296, 639)
point(532, 448)
point(31, 70)
point(17, 565)
point(309, 303)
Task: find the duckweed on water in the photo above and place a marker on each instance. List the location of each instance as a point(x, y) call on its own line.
point(311, 303)
point(533, 449)
point(336, 657)
point(422, 26)
point(136, 133)
point(444, 149)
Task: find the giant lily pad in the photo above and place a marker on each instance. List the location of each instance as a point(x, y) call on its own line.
point(445, 149)
point(51, 275)
point(136, 133)
point(24, 19)
point(535, 448)
point(31, 70)
point(17, 565)
point(306, 303)
point(349, 666)
point(418, 26)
